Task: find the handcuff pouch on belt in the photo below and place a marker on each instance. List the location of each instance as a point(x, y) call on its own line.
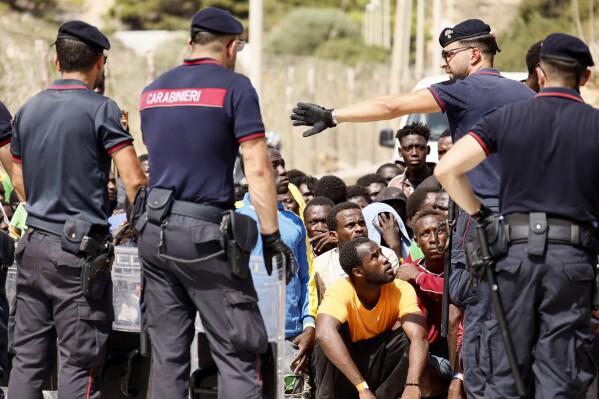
point(96, 268)
point(537, 233)
point(497, 242)
point(240, 235)
point(159, 204)
point(72, 234)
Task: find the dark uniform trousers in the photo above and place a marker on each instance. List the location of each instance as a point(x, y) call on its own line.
point(547, 301)
point(474, 304)
point(382, 361)
point(172, 292)
point(49, 307)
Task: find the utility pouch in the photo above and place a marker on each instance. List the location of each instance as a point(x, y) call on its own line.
point(160, 201)
point(72, 234)
point(537, 233)
point(95, 272)
point(497, 236)
point(240, 235)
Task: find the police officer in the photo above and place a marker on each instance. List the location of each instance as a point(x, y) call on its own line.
point(474, 89)
point(194, 119)
point(63, 141)
point(549, 198)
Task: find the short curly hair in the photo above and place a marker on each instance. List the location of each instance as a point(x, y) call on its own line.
point(348, 255)
point(418, 128)
point(416, 201)
point(422, 215)
point(370, 178)
point(331, 187)
point(332, 216)
point(358, 191)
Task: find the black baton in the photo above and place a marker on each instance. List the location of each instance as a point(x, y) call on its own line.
point(451, 211)
point(498, 307)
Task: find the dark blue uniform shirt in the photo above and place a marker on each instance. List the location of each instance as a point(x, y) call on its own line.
point(193, 118)
point(465, 101)
point(64, 137)
point(548, 150)
point(5, 125)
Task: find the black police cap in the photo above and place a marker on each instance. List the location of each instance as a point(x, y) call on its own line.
point(215, 20)
point(564, 47)
point(464, 30)
point(83, 32)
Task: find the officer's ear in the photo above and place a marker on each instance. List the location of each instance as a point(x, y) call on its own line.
point(428, 150)
point(57, 63)
point(541, 77)
point(585, 78)
point(189, 44)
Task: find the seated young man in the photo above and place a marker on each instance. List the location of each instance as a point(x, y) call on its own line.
point(362, 351)
point(426, 276)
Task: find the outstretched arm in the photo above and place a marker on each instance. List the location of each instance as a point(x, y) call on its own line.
point(389, 107)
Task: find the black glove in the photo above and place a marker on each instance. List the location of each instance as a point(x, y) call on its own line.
point(273, 247)
point(306, 114)
point(484, 216)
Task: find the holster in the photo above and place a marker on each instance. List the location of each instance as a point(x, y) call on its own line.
point(72, 234)
point(498, 237)
point(160, 202)
point(95, 272)
point(240, 235)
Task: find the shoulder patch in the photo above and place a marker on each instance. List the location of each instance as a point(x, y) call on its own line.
point(124, 119)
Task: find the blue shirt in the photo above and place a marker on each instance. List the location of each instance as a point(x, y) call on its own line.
point(293, 234)
point(193, 118)
point(547, 148)
point(64, 137)
point(465, 101)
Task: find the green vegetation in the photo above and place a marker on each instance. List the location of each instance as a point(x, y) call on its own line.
point(536, 19)
point(323, 33)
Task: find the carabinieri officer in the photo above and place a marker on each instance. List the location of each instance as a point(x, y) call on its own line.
point(194, 119)
point(469, 50)
point(63, 142)
point(547, 149)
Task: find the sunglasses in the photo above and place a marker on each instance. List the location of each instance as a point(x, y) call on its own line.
point(447, 55)
point(239, 44)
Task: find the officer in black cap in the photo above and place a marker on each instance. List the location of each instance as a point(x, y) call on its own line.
point(63, 142)
point(475, 88)
point(194, 118)
point(547, 149)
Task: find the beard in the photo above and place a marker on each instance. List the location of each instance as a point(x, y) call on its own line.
point(378, 279)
